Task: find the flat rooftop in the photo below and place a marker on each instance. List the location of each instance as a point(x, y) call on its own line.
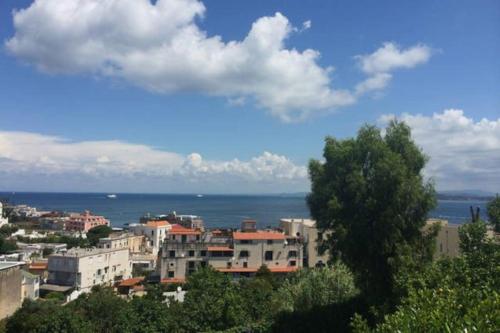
point(85, 252)
point(10, 264)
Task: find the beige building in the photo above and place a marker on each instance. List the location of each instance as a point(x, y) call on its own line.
point(30, 286)
point(306, 229)
point(10, 287)
point(135, 243)
point(85, 268)
point(447, 239)
point(240, 253)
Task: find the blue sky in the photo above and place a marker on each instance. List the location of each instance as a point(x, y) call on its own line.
point(78, 104)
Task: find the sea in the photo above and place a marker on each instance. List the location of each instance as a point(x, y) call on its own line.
point(222, 211)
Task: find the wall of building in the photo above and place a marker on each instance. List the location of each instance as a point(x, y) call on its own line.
point(10, 291)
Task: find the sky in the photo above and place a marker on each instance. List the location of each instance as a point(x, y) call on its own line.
point(221, 96)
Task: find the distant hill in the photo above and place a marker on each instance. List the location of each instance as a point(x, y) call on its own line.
point(466, 195)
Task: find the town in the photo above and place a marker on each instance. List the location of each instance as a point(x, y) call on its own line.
point(57, 253)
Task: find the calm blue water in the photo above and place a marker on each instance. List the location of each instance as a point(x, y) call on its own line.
point(216, 210)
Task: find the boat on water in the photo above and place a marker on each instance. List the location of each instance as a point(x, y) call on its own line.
point(111, 196)
point(199, 195)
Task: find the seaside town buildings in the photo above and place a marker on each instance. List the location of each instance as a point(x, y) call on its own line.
point(10, 288)
point(154, 231)
point(84, 222)
point(82, 269)
point(239, 253)
point(3, 220)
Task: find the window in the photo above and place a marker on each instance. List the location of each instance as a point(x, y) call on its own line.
point(268, 255)
point(229, 264)
point(245, 265)
point(292, 254)
point(197, 237)
point(244, 254)
point(203, 253)
point(203, 264)
point(270, 242)
point(173, 237)
point(293, 263)
point(246, 241)
point(191, 253)
point(171, 274)
point(171, 254)
point(184, 238)
point(191, 264)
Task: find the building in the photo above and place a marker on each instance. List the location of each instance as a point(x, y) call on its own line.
point(3, 220)
point(447, 239)
point(10, 288)
point(84, 222)
point(307, 231)
point(84, 268)
point(239, 253)
point(154, 232)
point(30, 288)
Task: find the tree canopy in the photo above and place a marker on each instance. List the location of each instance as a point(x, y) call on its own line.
point(94, 234)
point(370, 193)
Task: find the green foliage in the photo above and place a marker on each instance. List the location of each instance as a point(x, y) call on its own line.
point(61, 239)
point(94, 234)
point(493, 210)
point(214, 300)
point(55, 296)
point(371, 194)
point(310, 288)
point(46, 316)
point(7, 245)
point(7, 230)
point(453, 295)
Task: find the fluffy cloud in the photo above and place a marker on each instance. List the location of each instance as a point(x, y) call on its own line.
point(386, 59)
point(159, 46)
point(464, 154)
point(24, 155)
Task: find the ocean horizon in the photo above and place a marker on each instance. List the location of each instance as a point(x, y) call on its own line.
point(217, 210)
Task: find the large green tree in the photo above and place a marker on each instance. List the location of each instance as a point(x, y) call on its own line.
point(493, 210)
point(370, 194)
point(94, 234)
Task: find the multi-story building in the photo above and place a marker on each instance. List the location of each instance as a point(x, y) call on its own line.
point(240, 253)
point(3, 220)
point(306, 229)
point(85, 268)
point(84, 221)
point(447, 239)
point(10, 287)
point(154, 232)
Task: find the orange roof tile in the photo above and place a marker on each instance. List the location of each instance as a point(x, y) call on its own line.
point(237, 270)
point(38, 265)
point(258, 235)
point(131, 282)
point(172, 280)
point(287, 269)
point(157, 224)
point(220, 248)
point(180, 230)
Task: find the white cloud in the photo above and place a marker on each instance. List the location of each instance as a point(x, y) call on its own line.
point(159, 46)
point(464, 154)
point(386, 59)
point(390, 57)
point(23, 155)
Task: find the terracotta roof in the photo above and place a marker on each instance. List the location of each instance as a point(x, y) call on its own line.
point(177, 229)
point(220, 248)
point(287, 269)
point(172, 280)
point(38, 265)
point(237, 270)
point(131, 282)
point(157, 224)
point(258, 235)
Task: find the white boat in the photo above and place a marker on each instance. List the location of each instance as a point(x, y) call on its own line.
point(199, 195)
point(111, 196)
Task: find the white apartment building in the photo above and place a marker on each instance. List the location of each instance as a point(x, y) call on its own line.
point(154, 231)
point(3, 220)
point(307, 230)
point(30, 288)
point(85, 268)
